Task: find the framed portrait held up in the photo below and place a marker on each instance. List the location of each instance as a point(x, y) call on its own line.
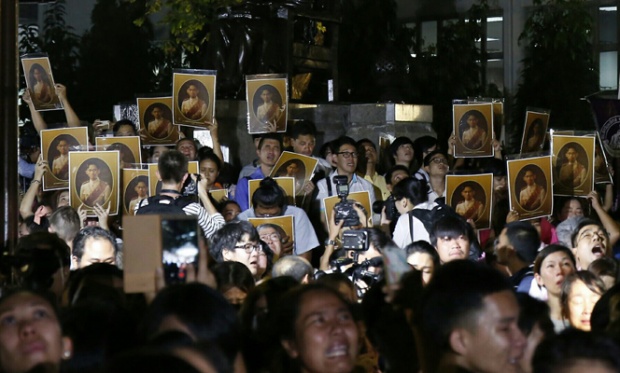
point(363, 198)
point(94, 180)
point(219, 195)
point(473, 128)
point(40, 82)
point(135, 187)
point(155, 119)
point(267, 98)
point(286, 183)
point(56, 144)
point(530, 186)
point(573, 160)
point(128, 147)
point(534, 130)
point(193, 97)
point(295, 165)
point(274, 229)
point(471, 196)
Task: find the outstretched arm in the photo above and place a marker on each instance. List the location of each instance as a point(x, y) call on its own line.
point(608, 222)
point(217, 149)
point(25, 207)
point(72, 118)
point(37, 118)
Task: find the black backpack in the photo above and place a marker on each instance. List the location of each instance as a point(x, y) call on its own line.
point(163, 205)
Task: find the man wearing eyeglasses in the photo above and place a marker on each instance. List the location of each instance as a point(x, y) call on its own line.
point(346, 162)
point(239, 242)
point(269, 201)
point(436, 165)
point(590, 242)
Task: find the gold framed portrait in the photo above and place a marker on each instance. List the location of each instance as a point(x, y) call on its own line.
point(530, 187)
point(193, 97)
point(267, 98)
point(280, 225)
point(128, 147)
point(361, 197)
point(56, 145)
point(534, 131)
point(286, 183)
point(602, 172)
point(573, 159)
point(94, 180)
point(471, 196)
point(219, 195)
point(40, 82)
point(135, 188)
point(473, 128)
point(155, 121)
point(297, 166)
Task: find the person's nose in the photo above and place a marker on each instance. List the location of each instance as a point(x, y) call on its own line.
point(26, 328)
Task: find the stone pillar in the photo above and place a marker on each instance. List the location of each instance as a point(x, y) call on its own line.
point(8, 123)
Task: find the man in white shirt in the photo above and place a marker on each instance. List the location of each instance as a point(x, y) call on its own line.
point(346, 161)
point(532, 195)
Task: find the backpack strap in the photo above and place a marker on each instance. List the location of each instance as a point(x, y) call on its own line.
point(329, 186)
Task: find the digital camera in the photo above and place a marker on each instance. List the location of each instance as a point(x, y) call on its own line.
point(344, 209)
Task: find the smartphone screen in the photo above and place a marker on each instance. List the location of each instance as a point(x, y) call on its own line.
point(179, 246)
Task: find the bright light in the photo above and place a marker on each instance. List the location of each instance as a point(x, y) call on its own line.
point(608, 9)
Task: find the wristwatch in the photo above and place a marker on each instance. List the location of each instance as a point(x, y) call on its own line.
point(330, 242)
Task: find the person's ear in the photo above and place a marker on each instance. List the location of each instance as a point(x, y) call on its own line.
point(67, 348)
point(228, 255)
point(184, 178)
point(459, 341)
point(74, 262)
point(538, 279)
point(290, 347)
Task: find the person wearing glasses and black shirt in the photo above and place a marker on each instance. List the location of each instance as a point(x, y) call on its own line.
point(346, 161)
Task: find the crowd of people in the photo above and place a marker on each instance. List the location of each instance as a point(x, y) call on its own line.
point(411, 286)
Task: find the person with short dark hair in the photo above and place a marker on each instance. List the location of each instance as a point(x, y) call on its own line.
point(577, 351)
point(367, 166)
point(437, 166)
point(535, 324)
point(422, 256)
point(394, 175)
point(237, 241)
point(268, 152)
point(580, 292)
point(94, 245)
point(590, 242)
point(172, 171)
point(124, 127)
point(234, 281)
point(462, 309)
point(409, 194)
point(402, 153)
point(606, 269)
point(452, 237)
point(517, 247)
point(268, 201)
point(423, 146)
point(346, 158)
point(94, 191)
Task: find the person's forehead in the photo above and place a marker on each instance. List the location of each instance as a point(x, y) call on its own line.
point(305, 138)
point(141, 183)
point(591, 227)
point(438, 155)
point(270, 142)
point(93, 167)
point(267, 230)
point(467, 189)
point(346, 147)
